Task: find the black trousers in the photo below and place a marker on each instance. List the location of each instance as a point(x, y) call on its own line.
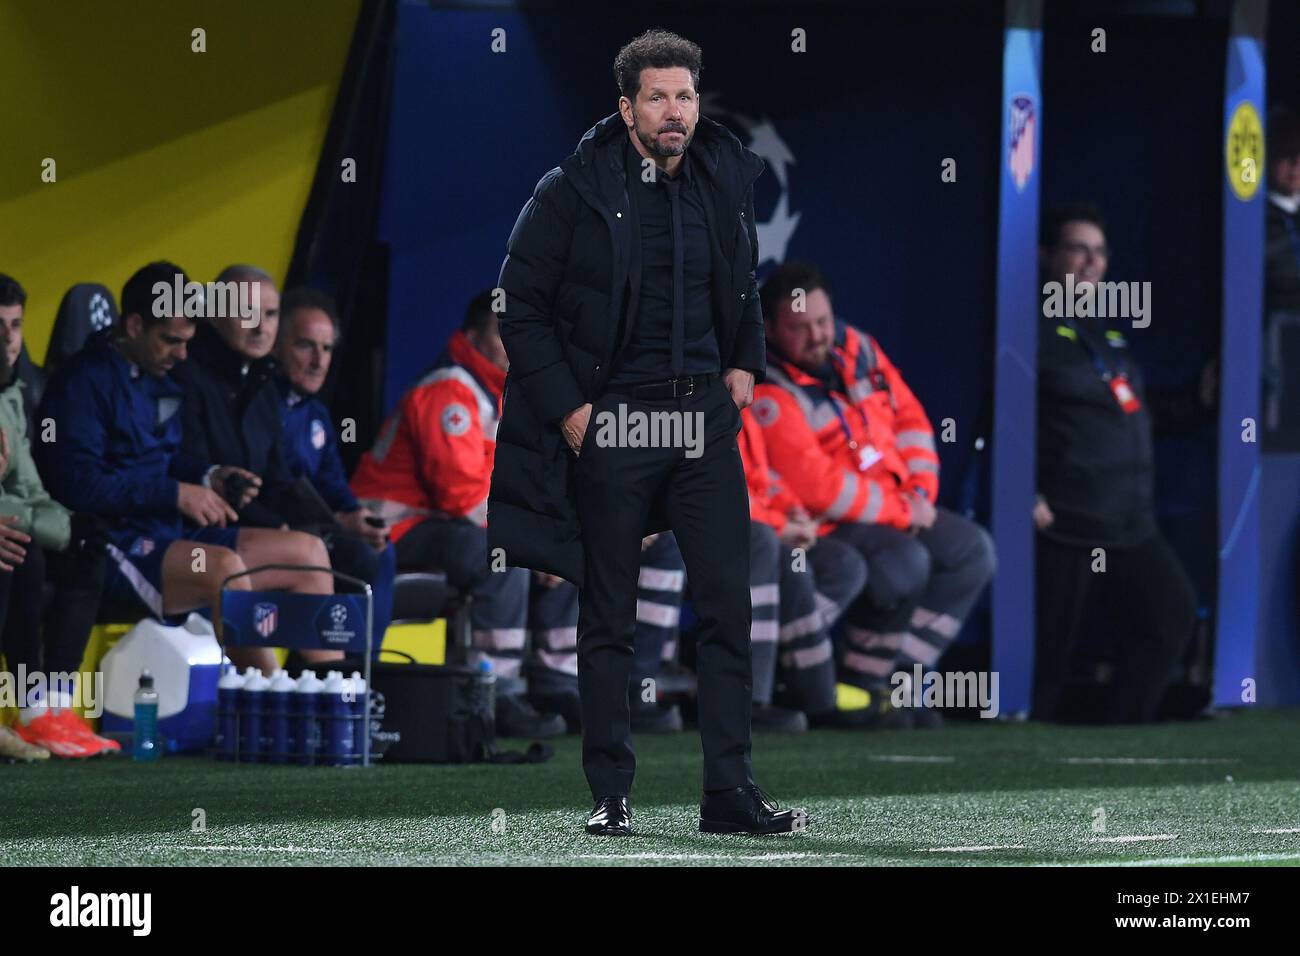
point(707, 505)
point(1149, 594)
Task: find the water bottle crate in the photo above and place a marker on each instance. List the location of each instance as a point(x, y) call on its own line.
point(295, 755)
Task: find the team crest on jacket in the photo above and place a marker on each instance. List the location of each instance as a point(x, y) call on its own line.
point(455, 419)
point(140, 547)
point(766, 411)
point(317, 434)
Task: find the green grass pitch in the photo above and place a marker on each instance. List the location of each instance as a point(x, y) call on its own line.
point(1224, 791)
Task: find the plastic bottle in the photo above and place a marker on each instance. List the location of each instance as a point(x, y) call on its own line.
point(305, 726)
point(335, 718)
point(228, 688)
point(252, 697)
point(278, 697)
point(490, 685)
point(359, 725)
point(145, 745)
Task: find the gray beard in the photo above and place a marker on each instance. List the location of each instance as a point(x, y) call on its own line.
point(653, 146)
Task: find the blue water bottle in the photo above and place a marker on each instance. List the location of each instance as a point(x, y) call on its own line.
point(360, 693)
point(336, 720)
point(145, 743)
point(252, 737)
point(489, 691)
point(278, 697)
point(228, 713)
point(305, 726)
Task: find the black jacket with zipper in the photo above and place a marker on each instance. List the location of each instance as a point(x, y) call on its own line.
point(232, 417)
point(570, 276)
point(1096, 466)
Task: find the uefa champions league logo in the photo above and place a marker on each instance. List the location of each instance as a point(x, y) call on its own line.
point(101, 316)
point(775, 233)
point(336, 631)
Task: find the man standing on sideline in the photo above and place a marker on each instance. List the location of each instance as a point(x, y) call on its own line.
point(659, 198)
point(1096, 497)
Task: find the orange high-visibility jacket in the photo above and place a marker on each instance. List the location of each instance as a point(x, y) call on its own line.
point(849, 448)
point(434, 453)
point(770, 500)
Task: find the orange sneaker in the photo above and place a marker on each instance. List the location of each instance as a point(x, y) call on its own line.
point(80, 731)
point(54, 734)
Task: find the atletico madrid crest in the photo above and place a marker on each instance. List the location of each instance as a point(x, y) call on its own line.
point(1020, 124)
point(265, 618)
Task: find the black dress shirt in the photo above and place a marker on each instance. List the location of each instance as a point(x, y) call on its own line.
point(672, 330)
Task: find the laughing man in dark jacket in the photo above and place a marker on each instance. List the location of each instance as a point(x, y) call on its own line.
point(232, 415)
point(629, 292)
point(1096, 495)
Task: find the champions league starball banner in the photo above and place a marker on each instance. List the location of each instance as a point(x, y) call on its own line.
point(486, 102)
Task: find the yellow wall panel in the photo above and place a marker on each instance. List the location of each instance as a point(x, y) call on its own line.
point(161, 152)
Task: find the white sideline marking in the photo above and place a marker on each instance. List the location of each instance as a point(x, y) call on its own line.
point(707, 856)
point(249, 849)
point(1279, 830)
point(911, 758)
point(1150, 760)
point(970, 849)
point(1134, 839)
point(1185, 860)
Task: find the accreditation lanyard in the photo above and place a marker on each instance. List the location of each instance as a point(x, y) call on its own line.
point(1117, 382)
point(867, 454)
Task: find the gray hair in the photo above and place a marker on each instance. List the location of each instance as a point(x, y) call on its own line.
point(246, 273)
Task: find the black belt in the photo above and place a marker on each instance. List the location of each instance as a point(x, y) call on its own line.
point(672, 387)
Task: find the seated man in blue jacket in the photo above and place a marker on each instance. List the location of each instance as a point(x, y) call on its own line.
point(308, 336)
point(115, 452)
point(232, 415)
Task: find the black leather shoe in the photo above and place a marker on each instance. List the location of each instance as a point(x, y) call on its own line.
point(612, 816)
point(747, 810)
point(516, 717)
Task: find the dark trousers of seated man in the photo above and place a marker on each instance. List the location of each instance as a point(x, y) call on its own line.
point(1150, 596)
point(920, 587)
point(553, 625)
point(498, 607)
point(707, 506)
point(797, 599)
point(50, 640)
